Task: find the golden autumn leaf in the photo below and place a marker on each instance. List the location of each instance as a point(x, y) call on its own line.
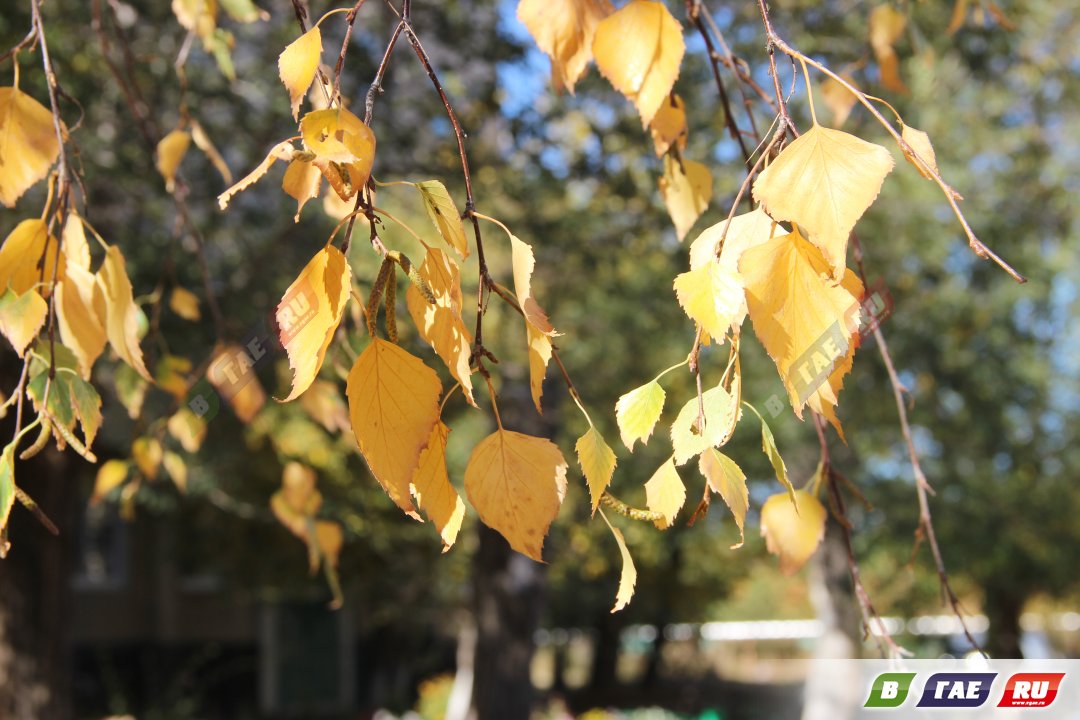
point(393, 406)
point(121, 312)
point(434, 493)
point(203, 142)
point(597, 463)
point(440, 324)
point(824, 181)
point(184, 303)
point(793, 530)
point(540, 349)
point(232, 375)
point(807, 322)
point(637, 412)
point(686, 187)
point(147, 454)
point(110, 475)
point(309, 314)
point(339, 140)
point(523, 262)
point(22, 317)
point(887, 26)
point(177, 470)
point(728, 480)
point(301, 183)
point(7, 491)
point(21, 255)
point(170, 153)
point(639, 49)
point(923, 149)
point(79, 312)
point(329, 538)
point(283, 151)
point(665, 494)
point(838, 98)
point(721, 415)
point(444, 215)
point(199, 16)
point(188, 429)
point(668, 126)
point(28, 144)
point(628, 575)
point(298, 64)
point(563, 30)
point(517, 483)
point(712, 296)
point(76, 249)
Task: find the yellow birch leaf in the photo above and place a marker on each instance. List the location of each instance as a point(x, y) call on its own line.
point(838, 98)
point(665, 494)
point(309, 314)
point(147, 454)
point(597, 463)
point(301, 183)
point(199, 16)
point(298, 489)
point(686, 188)
point(721, 415)
point(330, 538)
point(887, 26)
point(668, 126)
point(637, 413)
point(563, 30)
point(188, 429)
point(920, 145)
point(711, 296)
point(232, 375)
point(203, 142)
point(7, 493)
point(444, 215)
point(340, 140)
point(283, 151)
point(81, 325)
point(523, 262)
point(639, 49)
point(28, 145)
point(177, 469)
point(824, 181)
point(21, 254)
point(435, 494)
point(121, 312)
point(807, 322)
point(170, 153)
point(76, 249)
point(628, 576)
point(440, 324)
point(540, 349)
point(792, 530)
point(184, 303)
point(517, 483)
point(393, 405)
point(727, 479)
point(298, 64)
point(22, 317)
point(110, 475)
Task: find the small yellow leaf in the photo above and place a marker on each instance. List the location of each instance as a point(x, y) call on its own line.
point(111, 474)
point(444, 215)
point(7, 493)
point(184, 303)
point(628, 576)
point(21, 254)
point(232, 375)
point(517, 483)
point(721, 415)
point(309, 314)
point(686, 188)
point(283, 151)
point(887, 26)
point(188, 429)
point(298, 64)
point(339, 140)
point(919, 143)
point(28, 145)
point(665, 494)
point(22, 317)
point(639, 49)
point(540, 349)
point(301, 183)
point(170, 153)
point(523, 262)
point(121, 312)
point(637, 412)
point(199, 16)
point(298, 489)
point(838, 98)
point(330, 538)
point(147, 454)
point(668, 126)
point(824, 182)
point(792, 530)
point(80, 318)
point(177, 469)
point(393, 406)
point(434, 493)
point(76, 250)
point(203, 142)
point(727, 479)
point(323, 403)
point(597, 463)
point(563, 30)
point(712, 297)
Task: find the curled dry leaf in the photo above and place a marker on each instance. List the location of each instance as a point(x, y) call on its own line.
point(283, 151)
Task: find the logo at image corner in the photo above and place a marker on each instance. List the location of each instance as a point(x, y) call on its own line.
point(1031, 690)
point(957, 690)
point(889, 690)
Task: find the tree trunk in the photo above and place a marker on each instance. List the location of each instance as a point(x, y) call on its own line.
point(1003, 609)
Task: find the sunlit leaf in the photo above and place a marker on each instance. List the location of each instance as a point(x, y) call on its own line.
point(344, 148)
point(665, 493)
point(283, 151)
point(686, 188)
point(637, 412)
point(727, 479)
point(121, 312)
point(712, 296)
point(184, 303)
point(793, 530)
point(203, 142)
point(110, 475)
point(170, 153)
point(435, 494)
point(628, 575)
point(22, 317)
point(597, 462)
point(28, 144)
point(147, 454)
point(668, 126)
point(920, 144)
point(21, 255)
point(444, 215)
point(301, 183)
point(720, 415)
point(297, 65)
point(564, 30)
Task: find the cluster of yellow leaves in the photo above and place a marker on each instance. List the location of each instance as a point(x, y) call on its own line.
point(174, 146)
point(564, 30)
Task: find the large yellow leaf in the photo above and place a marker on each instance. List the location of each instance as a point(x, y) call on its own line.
point(81, 326)
point(440, 324)
point(121, 312)
point(807, 322)
point(444, 215)
point(21, 254)
point(22, 317)
point(721, 415)
point(665, 493)
point(309, 314)
point(339, 140)
point(28, 145)
point(628, 576)
point(170, 153)
point(727, 479)
point(639, 49)
point(393, 406)
point(792, 530)
point(564, 30)
point(686, 188)
point(434, 493)
point(712, 296)
point(297, 65)
point(516, 483)
point(637, 412)
point(824, 182)
point(597, 462)
point(668, 126)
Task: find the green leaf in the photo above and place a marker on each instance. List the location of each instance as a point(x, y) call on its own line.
point(637, 412)
point(444, 214)
point(7, 489)
point(768, 446)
